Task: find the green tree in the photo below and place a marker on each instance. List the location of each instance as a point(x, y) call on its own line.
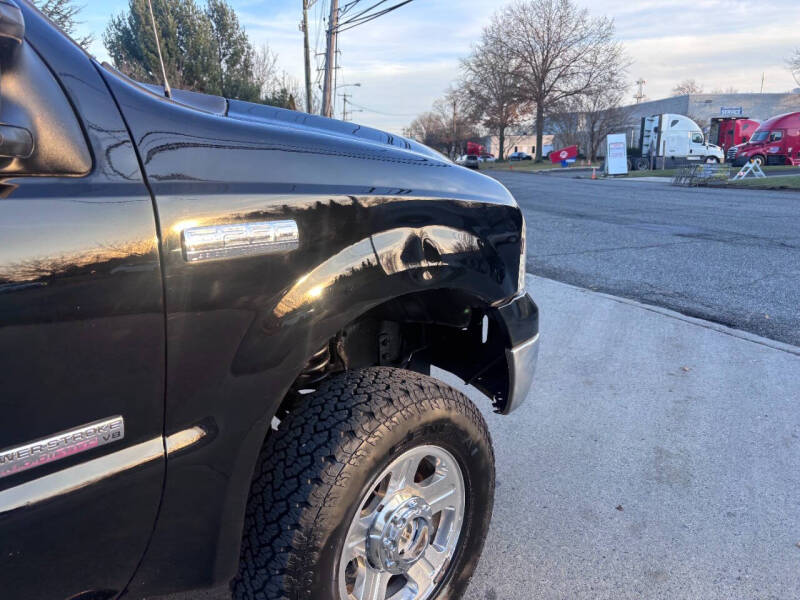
point(234, 53)
point(63, 13)
point(205, 49)
point(186, 44)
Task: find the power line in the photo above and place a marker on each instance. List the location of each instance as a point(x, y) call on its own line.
point(366, 10)
point(378, 112)
point(356, 20)
point(334, 27)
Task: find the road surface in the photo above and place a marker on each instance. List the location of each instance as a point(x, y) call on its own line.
point(729, 256)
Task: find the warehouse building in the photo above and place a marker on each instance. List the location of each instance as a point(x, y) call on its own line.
point(701, 108)
point(517, 140)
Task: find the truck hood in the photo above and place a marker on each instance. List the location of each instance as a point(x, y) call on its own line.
point(748, 146)
point(273, 115)
point(202, 138)
point(249, 111)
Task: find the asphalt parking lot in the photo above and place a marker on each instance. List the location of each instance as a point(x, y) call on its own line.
point(656, 457)
point(729, 256)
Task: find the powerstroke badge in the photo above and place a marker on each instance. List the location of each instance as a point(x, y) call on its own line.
point(245, 239)
point(61, 445)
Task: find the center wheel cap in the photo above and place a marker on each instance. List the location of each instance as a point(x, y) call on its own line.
point(400, 534)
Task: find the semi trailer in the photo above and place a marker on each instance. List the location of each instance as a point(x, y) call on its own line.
point(670, 140)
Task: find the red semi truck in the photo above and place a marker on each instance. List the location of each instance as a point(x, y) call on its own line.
point(731, 131)
point(775, 142)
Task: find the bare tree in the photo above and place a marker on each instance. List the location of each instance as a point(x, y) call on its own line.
point(457, 114)
point(566, 125)
point(728, 90)
point(429, 129)
point(491, 83)
point(587, 120)
point(687, 86)
point(793, 63)
point(277, 87)
point(561, 51)
point(448, 127)
point(64, 13)
point(603, 119)
point(265, 68)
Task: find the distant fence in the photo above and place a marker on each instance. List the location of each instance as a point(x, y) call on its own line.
point(702, 174)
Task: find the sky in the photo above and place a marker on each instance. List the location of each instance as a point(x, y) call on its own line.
point(407, 59)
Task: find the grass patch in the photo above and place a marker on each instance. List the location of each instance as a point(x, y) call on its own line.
point(779, 182)
point(523, 165)
point(773, 168)
point(673, 172)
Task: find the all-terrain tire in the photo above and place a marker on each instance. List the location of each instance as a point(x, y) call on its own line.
point(311, 471)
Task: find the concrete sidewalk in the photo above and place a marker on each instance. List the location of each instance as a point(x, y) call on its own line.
point(658, 457)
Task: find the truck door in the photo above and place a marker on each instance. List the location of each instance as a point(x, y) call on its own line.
point(81, 328)
point(696, 144)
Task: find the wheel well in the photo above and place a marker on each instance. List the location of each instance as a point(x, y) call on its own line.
point(450, 329)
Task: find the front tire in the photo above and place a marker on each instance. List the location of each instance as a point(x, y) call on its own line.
point(382, 481)
point(712, 160)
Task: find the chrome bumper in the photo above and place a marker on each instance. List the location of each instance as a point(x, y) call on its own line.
point(522, 360)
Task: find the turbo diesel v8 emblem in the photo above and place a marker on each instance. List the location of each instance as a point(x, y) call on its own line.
point(61, 445)
point(246, 239)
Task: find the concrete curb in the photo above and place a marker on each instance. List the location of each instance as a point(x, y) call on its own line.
point(737, 333)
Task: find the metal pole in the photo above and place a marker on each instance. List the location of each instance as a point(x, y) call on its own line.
point(307, 56)
point(330, 60)
point(167, 90)
point(454, 127)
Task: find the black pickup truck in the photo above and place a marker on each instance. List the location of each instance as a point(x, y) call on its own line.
point(217, 323)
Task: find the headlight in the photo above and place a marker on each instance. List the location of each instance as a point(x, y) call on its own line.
point(522, 257)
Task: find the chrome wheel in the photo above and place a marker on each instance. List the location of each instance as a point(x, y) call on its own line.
point(405, 530)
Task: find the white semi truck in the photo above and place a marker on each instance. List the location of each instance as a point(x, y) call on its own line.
point(669, 140)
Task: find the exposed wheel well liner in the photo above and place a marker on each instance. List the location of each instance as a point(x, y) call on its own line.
point(450, 329)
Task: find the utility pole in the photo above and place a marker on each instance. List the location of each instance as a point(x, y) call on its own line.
point(454, 126)
point(330, 60)
point(640, 94)
point(345, 96)
point(306, 5)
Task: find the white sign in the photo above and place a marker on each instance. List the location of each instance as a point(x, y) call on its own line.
point(727, 111)
point(616, 154)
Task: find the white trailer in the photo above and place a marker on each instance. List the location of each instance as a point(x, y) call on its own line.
point(673, 140)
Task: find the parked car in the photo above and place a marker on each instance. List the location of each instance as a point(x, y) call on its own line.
point(217, 331)
point(775, 142)
point(487, 157)
point(471, 161)
point(519, 156)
